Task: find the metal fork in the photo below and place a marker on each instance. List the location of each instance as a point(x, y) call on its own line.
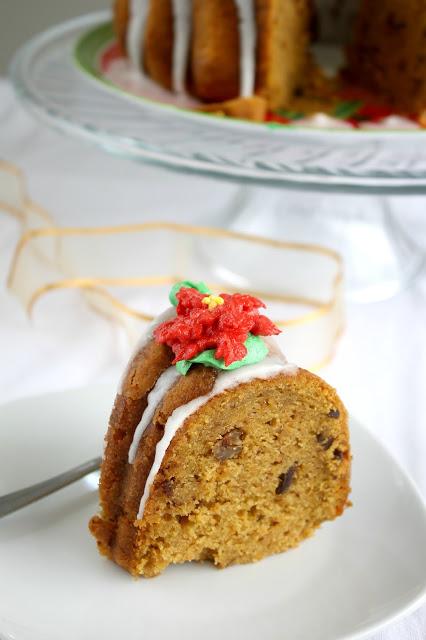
point(17, 499)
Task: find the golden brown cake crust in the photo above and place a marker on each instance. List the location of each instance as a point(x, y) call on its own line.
point(158, 43)
point(388, 51)
point(213, 74)
point(290, 430)
point(215, 50)
point(253, 108)
point(122, 484)
point(142, 374)
point(281, 50)
point(121, 20)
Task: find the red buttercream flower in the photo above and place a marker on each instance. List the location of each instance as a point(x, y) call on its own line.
point(213, 322)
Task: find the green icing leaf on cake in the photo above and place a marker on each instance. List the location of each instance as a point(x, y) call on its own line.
point(256, 352)
point(199, 286)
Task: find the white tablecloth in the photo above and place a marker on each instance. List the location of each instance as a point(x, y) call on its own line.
point(380, 366)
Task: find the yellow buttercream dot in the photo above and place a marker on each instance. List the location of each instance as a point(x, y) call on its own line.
point(212, 301)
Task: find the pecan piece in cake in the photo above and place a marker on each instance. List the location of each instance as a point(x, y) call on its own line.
point(285, 480)
point(229, 446)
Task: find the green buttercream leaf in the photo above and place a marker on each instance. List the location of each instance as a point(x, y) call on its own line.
point(183, 366)
point(199, 286)
point(256, 352)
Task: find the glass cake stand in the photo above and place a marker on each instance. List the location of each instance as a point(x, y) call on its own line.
point(331, 186)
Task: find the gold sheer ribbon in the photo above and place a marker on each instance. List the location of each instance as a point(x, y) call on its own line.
point(126, 271)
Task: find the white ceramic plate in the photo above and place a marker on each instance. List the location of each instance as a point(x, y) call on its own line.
point(355, 575)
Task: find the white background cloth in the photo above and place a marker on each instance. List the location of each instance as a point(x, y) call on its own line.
point(380, 366)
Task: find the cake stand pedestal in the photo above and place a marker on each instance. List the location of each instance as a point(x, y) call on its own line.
point(381, 255)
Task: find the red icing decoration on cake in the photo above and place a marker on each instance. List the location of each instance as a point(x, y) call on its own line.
point(224, 327)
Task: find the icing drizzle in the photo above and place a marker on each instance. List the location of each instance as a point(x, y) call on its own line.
point(135, 31)
point(182, 32)
point(247, 27)
point(163, 384)
point(181, 41)
point(274, 364)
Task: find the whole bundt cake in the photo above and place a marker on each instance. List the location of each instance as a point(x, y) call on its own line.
point(217, 448)
point(245, 57)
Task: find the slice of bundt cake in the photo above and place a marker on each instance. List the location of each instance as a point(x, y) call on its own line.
point(217, 448)
point(218, 50)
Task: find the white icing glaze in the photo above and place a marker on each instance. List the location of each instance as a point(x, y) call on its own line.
point(247, 28)
point(181, 39)
point(163, 384)
point(274, 364)
point(135, 31)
